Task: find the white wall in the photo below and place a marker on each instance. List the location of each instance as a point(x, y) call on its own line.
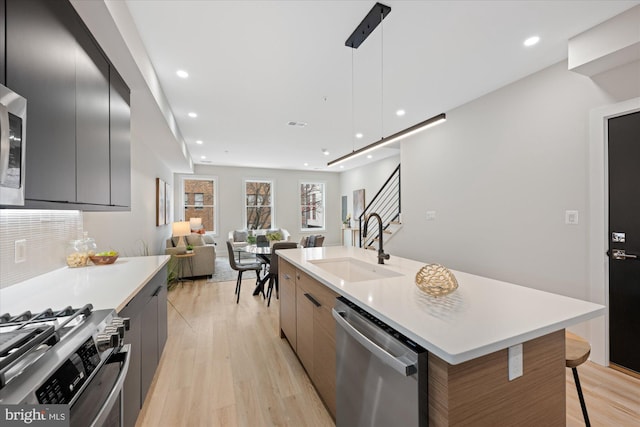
point(370, 177)
point(230, 201)
point(129, 232)
point(500, 174)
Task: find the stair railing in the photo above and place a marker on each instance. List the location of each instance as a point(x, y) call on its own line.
point(386, 203)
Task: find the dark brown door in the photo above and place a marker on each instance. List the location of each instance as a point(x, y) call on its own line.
point(624, 241)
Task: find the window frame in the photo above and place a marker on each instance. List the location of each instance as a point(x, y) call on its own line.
point(183, 193)
point(322, 207)
point(245, 217)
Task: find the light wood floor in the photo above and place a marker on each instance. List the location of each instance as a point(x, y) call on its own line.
point(225, 365)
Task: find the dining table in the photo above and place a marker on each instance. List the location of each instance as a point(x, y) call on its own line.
point(263, 253)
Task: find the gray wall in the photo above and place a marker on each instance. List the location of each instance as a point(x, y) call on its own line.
point(500, 174)
point(287, 199)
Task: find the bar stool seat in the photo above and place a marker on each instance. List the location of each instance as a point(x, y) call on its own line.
point(577, 351)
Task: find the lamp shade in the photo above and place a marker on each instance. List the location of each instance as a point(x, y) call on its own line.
point(181, 228)
point(196, 223)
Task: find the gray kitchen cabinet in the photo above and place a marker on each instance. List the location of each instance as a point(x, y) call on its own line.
point(41, 67)
point(120, 140)
point(93, 184)
point(78, 150)
point(147, 336)
point(132, 384)
point(2, 41)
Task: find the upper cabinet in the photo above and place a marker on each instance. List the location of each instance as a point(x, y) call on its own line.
point(2, 41)
point(120, 141)
point(78, 147)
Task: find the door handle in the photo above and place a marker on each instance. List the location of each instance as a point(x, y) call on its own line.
point(621, 254)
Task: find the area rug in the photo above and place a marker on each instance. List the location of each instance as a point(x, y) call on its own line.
point(224, 273)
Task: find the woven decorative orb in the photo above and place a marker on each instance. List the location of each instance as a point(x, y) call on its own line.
point(436, 280)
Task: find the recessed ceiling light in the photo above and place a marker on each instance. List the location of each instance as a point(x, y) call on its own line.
point(369, 156)
point(359, 135)
point(531, 41)
point(306, 164)
point(203, 157)
point(199, 142)
point(400, 113)
point(325, 151)
point(341, 166)
point(182, 74)
point(193, 115)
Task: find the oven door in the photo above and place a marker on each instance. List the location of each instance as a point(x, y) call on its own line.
point(100, 403)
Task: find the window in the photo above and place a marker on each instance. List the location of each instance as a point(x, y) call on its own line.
point(199, 201)
point(311, 206)
point(258, 204)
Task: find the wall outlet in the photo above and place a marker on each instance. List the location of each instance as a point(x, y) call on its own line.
point(515, 362)
point(571, 217)
point(431, 215)
point(20, 247)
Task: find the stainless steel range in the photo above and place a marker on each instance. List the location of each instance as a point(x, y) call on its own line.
point(72, 356)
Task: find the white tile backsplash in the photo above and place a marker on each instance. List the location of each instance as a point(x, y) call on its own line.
point(46, 233)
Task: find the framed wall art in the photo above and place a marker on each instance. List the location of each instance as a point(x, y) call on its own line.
point(161, 206)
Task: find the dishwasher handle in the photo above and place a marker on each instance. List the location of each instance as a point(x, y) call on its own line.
point(406, 369)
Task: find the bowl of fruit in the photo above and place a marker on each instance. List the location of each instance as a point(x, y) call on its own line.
point(104, 258)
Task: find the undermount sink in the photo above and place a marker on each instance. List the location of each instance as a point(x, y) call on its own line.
point(353, 270)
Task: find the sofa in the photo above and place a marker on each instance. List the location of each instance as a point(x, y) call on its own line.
point(204, 259)
point(238, 238)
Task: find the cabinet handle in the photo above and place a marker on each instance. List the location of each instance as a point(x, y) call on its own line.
point(298, 276)
point(286, 276)
point(155, 294)
point(313, 300)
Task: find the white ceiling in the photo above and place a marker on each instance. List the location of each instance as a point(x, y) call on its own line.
point(256, 65)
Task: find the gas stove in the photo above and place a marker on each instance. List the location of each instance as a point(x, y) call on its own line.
point(50, 357)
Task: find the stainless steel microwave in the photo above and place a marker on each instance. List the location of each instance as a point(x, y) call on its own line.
point(13, 127)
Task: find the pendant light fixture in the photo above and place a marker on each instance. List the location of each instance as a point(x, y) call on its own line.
point(359, 35)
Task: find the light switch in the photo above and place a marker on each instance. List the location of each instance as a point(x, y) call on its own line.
point(571, 217)
point(431, 215)
point(20, 250)
point(515, 362)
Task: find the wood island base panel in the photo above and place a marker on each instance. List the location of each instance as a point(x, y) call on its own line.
point(478, 392)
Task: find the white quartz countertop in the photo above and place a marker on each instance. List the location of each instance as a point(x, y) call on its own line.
point(104, 286)
point(482, 316)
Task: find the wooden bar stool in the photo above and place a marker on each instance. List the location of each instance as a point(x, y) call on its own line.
point(577, 351)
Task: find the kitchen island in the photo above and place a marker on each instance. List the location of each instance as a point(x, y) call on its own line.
point(467, 334)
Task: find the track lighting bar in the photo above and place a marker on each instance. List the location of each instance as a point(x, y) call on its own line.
point(440, 118)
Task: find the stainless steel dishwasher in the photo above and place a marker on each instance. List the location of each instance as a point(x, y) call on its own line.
point(381, 374)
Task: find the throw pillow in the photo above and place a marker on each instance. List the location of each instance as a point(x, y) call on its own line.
point(239, 236)
point(195, 240)
point(208, 239)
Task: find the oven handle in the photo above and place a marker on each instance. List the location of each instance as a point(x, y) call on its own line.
point(117, 388)
point(5, 144)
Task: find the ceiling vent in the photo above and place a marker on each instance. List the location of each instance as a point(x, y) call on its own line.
point(298, 124)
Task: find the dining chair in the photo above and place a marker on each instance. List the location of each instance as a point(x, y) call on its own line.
point(262, 241)
point(273, 267)
point(311, 241)
point(241, 268)
point(319, 241)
